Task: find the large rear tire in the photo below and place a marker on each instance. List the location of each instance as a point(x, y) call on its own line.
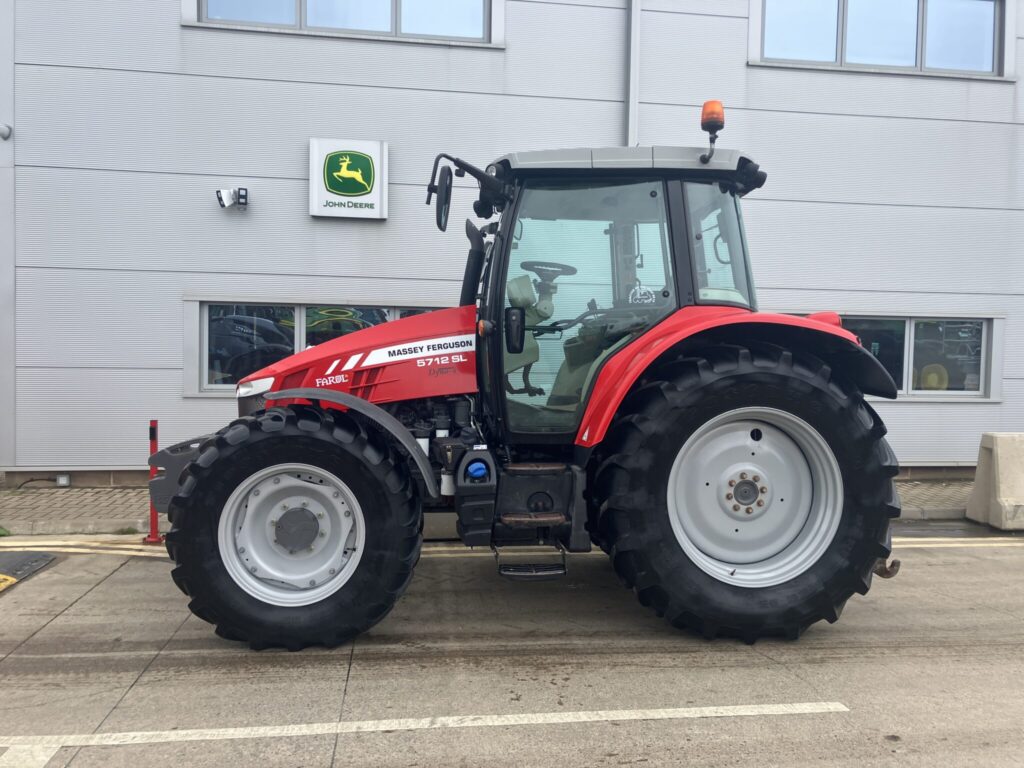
point(294, 527)
point(746, 492)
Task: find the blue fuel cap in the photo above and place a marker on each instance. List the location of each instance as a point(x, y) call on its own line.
point(476, 470)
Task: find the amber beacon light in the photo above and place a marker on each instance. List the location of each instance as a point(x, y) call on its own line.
point(712, 120)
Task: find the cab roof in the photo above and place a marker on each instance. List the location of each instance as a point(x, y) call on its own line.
point(625, 158)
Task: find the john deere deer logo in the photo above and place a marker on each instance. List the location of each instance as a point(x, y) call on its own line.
point(348, 173)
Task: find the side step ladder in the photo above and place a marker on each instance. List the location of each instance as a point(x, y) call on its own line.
point(518, 566)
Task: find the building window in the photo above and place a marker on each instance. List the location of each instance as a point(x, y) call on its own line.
point(928, 356)
point(923, 35)
point(459, 20)
point(241, 338)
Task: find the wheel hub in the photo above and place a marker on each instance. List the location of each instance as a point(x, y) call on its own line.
point(296, 529)
point(755, 496)
point(291, 534)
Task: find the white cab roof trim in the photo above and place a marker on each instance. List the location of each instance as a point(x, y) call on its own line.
point(624, 158)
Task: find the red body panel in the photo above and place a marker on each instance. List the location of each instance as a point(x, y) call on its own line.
point(429, 355)
point(621, 371)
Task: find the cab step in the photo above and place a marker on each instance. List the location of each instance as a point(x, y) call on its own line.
point(533, 520)
point(530, 565)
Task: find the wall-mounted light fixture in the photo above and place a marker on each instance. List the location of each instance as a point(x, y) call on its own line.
point(229, 198)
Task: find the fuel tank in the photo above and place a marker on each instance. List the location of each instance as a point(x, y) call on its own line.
point(428, 355)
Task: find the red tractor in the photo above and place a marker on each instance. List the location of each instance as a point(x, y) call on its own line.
point(606, 378)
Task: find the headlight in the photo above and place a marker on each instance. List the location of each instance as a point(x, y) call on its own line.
point(254, 387)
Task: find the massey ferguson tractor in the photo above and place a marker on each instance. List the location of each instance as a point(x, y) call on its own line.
point(606, 379)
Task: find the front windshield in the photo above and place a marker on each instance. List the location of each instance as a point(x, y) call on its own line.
point(719, 248)
point(590, 264)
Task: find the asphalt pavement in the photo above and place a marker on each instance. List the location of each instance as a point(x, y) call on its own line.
point(101, 664)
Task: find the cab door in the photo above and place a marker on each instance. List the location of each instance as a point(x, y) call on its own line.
point(590, 263)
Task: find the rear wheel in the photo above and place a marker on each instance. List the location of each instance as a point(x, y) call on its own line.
point(746, 492)
point(294, 527)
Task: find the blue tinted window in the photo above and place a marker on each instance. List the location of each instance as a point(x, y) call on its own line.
point(802, 30)
point(960, 34)
point(882, 32)
point(280, 12)
point(460, 18)
point(369, 15)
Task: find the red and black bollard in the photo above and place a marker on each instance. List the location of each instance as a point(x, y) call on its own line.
point(154, 536)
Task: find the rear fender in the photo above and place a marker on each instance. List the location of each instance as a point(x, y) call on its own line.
point(695, 327)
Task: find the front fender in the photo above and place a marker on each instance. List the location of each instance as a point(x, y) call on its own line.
point(693, 327)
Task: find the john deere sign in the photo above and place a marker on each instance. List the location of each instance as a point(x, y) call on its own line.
point(348, 178)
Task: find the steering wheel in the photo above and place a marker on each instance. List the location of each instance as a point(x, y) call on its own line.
point(548, 271)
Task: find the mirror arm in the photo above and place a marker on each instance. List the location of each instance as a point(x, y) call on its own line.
point(432, 186)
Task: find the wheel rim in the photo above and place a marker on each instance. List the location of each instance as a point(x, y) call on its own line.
point(291, 534)
point(755, 497)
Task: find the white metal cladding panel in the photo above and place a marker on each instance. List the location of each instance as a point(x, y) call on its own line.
point(943, 433)
point(104, 422)
point(686, 59)
point(922, 250)
point(551, 50)
point(843, 158)
point(88, 417)
point(112, 220)
point(183, 124)
point(112, 319)
point(885, 301)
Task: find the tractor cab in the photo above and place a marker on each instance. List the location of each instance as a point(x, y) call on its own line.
point(593, 248)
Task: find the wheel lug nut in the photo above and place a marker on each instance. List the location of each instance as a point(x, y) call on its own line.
point(732, 483)
point(312, 583)
point(348, 513)
point(252, 570)
point(756, 479)
point(750, 511)
point(735, 507)
point(322, 534)
point(760, 502)
point(305, 503)
point(335, 495)
point(241, 550)
point(764, 489)
point(277, 481)
point(256, 492)
point(320, 515)
point(273, 522)
point(332, 571)
point(728, 496)
point(743, 475)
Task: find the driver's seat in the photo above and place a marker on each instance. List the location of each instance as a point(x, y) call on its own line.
point(522, 295)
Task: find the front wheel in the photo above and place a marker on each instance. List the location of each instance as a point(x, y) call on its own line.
point(746, 492)
point(294, 527)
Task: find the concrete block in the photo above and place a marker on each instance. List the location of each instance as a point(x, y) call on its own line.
point(998, 495)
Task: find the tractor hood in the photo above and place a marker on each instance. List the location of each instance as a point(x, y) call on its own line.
point(429, 355)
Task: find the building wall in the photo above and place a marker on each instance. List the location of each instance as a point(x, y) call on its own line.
point(886, 193)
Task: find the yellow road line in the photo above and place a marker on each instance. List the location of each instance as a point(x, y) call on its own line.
point(6, 581)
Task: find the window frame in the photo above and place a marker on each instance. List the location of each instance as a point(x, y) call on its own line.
point(197, 335)
point(194, 13)
point(1003, 46)
point(990, 371)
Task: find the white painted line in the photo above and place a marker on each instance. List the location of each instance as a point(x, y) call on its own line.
point(352, 362)
point(418, 724)
point(27, 757)
point(333, 366)
point(91, 551)
point(946, 539)
point(962, 545)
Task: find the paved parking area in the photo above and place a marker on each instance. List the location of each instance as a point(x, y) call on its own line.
point(102, 665)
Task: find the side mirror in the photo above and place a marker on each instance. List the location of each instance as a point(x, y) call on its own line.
point(515, 329)
point(444, 197)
